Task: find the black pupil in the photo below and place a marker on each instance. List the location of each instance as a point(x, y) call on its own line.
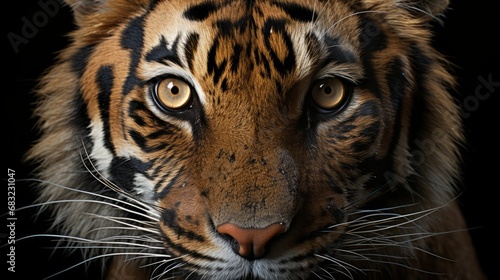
point(327, 89)
point(174, 90)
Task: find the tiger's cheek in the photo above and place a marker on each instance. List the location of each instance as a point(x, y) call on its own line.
point(102, 89)
point(184, 220)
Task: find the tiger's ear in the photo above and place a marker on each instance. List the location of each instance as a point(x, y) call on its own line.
point(429, 9)
point(82, 8)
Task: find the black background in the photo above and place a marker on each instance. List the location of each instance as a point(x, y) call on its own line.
point(469, 38)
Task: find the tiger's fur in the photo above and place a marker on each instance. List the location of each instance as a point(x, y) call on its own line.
point(365, 191)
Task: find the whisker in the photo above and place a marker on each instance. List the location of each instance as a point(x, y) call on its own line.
point(427, 13)
point(147, 207)
point(326, 272)
point(162, 262)
point(315, 19)
point(148, 239)
point(101, 257)
point(84, 240)
point(345, 266)
point(168, 270)
point(129, 225)
point(108, 183)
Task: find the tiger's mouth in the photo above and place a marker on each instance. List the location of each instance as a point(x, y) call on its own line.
point(277, 251)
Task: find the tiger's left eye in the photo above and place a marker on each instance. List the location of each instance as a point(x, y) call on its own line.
point(173, 94)
point(329, 94)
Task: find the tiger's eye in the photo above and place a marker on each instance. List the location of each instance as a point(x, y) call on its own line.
point(329, 94)
point(173, 94)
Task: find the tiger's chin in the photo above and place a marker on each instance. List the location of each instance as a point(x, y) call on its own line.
point(241, 269)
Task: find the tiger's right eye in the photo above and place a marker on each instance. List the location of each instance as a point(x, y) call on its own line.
point(330, 94)
point(173, 94)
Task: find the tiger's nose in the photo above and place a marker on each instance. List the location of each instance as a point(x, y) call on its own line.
point(251, 242)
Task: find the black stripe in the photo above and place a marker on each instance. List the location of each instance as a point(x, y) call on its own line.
point(372, 39)
point(367, 137)
point(190, 48)
point(166, 190)
point(213, 68)
point(261, 59)
point(278, 27)
point(162, 52)
point(384, 168)
point(138, 139)
point(420, 110)
point(313, 46)
point(296, 11)
point(397, 82)
point(123, 170)
point(159, 171)
point(397, 86)
point(368, 108)
point(81, 118)
point(200, 12)
point(152, 4)
point(371, 131)
point(133, 39)
point(80, 59)
point(361, 145)
point(335, 52)
point(172, 246)
point(142, 142)
point(225, 27)
point(332, 182)
point(160, 133)
point(143, 117)
point(228, 27)
point(105, 82)
point(171, 219)
point(346, 126)
point(223, 85)
point(235, 59)
point(134, 107)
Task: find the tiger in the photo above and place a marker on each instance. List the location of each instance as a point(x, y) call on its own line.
point(254, 140)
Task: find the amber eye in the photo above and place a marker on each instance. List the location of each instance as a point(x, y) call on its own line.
point(329, 94)
point(173, 94)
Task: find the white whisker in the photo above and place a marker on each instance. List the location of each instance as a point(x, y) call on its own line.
point(129, 225)
point(325, 271)
point(167, 270)
point(345, 266)
point(143, 207)
point(87, 241)
point(106, 182)
point(101, 257)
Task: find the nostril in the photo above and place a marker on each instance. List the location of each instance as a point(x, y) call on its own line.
point(251, 243)
point(232, 242)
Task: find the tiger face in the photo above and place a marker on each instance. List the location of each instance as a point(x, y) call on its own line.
point(255, 140)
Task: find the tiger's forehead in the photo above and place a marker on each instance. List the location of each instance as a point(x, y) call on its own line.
point(285, 40)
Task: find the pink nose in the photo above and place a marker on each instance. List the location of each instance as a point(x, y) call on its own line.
point(252, 242)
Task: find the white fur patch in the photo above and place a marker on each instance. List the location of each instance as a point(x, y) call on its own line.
point(144, 187)
point(101, 156)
